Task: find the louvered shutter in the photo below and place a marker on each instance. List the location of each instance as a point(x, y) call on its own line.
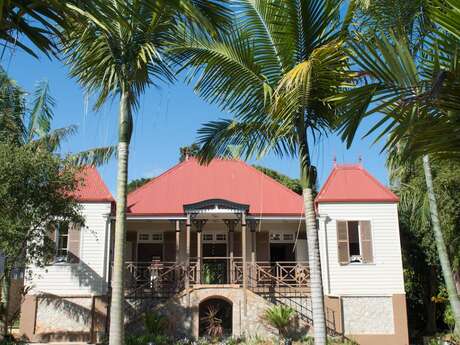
point(51, 235)
point(342, 243)
point(74, 243)
point(366, 241)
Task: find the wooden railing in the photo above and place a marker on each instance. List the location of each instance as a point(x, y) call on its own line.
point(215, 270)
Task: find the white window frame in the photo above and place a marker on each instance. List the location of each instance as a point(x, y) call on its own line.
point(150, 236)
point(214, 237)
point(281, 235)
point(61, 258)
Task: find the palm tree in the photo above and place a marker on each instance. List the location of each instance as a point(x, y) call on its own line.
point(29, 24)
point(273, 72)
point(418, 99)
point(118, 50)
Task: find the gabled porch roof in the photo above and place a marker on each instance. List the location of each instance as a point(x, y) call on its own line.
point(234, 181)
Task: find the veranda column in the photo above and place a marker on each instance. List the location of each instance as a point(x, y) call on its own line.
point(187, 251)
point(252, 277)
point(199, 255)
point(231, 250)
point(245, 268)
point(177, 241)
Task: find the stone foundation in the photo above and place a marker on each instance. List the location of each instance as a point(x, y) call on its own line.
point(49, 318)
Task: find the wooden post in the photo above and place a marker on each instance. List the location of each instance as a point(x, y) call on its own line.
point(253, 252)
point(177, 241)
point(231, 250)
point(199, 254)
point(245, 268)
point(187, 252)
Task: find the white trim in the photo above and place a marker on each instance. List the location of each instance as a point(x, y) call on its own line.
point(185, 217)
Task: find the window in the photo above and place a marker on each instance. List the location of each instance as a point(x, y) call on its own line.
point(150, 237)
point(62, 242)
point(211, 237)
point(221, 237)
point(354, 241)
point(280, 237)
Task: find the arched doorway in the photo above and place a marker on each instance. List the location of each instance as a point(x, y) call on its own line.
point(216, 317)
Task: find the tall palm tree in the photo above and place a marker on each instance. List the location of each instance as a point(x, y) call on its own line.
point(417, 95)
point(26, 119)
point(118, 49)
point(273, 72)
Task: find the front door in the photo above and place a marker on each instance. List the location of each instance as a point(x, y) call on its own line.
point(214, 259)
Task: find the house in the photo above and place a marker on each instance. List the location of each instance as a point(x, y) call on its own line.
point(229, 238)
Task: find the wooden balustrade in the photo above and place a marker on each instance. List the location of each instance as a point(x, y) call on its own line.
point(212, 270)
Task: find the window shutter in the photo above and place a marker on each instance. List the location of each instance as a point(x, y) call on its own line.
point(74, 243)
point(342, 243)
point(51, 235)
point(366, 241)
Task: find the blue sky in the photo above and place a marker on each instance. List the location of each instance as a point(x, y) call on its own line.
point(168, 118)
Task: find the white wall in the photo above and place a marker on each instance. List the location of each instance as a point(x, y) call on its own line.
point(89, 276)
point(385, 275)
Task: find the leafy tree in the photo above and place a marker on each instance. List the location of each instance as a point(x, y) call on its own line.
point(292, 184)
point(422, 267)
point(36, 188)
point(417, 95)
point(116, 50)
point(136, 183)
point(273, 73)
point(188, 151)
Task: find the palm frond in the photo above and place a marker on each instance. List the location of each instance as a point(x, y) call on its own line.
point(94, 157)
point(41, 113)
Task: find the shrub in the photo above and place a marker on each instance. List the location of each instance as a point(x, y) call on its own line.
point(280, 317)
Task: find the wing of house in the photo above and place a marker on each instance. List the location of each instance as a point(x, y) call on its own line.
point(226, 234)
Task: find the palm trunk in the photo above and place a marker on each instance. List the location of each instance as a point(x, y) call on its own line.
point(308, 180)
point(316, 282)
point(116, 333)
point(441, 246)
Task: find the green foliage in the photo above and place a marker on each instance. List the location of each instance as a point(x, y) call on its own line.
point(27, 120)
point(190, 151)
point(292, 184)
point(136, 183)
point(35, 189)
point(280, 317)
point(155, 324)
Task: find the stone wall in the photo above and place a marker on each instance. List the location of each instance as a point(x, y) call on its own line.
point(183, 311)
point(368, 315)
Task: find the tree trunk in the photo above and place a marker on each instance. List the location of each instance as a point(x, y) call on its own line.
point(308, 180)
point(441, 246)
point(116, 333)
point(316, 282)
point(5, 304)
point(431, 288)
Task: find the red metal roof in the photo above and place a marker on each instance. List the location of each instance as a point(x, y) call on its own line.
point(93, 188)
point(352, 183)
point(231, 180)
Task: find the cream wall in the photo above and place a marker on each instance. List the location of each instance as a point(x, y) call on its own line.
point(385, 275)
point(89, 276)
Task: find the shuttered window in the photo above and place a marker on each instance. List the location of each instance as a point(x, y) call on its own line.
point(354, 242)
point(67, 238)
